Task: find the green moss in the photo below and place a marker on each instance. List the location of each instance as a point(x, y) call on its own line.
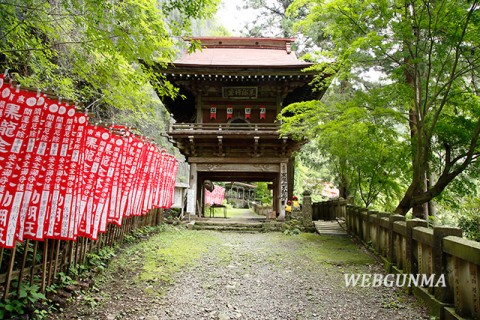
point(314, 249)
point(154, 263)
point(333, 250)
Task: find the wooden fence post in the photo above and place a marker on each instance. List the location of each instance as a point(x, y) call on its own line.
point(439, 262)
point(411, 263)
point(391, 249)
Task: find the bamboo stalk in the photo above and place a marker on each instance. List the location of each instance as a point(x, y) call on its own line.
point(1, 256)
point(22, 268)
point(9, 274)
point(57, 253)
point(32, 272)
point(44, 265)
point(50, 263)
point(69, 256)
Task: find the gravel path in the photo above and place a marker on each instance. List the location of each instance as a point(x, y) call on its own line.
point(258, 276)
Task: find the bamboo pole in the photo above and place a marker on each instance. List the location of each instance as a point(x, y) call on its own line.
point(57, 253)
point(32, 271)
point(50, 262)
point(44, 265)
point(22, 268)
point(77, 249)
point(1, 256)
point(9, 274)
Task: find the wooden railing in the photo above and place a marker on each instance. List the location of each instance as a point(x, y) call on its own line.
point(412, 247)
point(262, 127)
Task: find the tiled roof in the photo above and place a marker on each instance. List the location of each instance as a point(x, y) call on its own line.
point(242, 52)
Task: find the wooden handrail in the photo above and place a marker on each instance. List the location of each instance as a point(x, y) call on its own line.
point(225, 126)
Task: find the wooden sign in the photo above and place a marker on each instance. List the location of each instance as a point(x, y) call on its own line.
point(240, 92)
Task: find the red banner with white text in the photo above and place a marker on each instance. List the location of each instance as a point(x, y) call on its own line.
point(61, 177)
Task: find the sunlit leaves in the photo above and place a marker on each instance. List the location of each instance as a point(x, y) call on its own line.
point(102, 54)
point(427, 63)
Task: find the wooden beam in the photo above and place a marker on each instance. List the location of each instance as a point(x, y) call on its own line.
point(238, 167)
point(226, 160)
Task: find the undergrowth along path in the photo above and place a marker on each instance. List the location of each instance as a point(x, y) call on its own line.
point(187, 274)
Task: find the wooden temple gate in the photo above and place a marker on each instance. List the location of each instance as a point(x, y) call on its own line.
point(226, 120)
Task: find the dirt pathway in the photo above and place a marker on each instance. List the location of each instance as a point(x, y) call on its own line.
point(184, 274)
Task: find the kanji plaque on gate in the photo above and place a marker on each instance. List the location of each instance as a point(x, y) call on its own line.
point(240, 92)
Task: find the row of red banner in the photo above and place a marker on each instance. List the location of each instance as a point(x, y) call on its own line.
point(215, 197)
point(248, 112)
point(61, 177)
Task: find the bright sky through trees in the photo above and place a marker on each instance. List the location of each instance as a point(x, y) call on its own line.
point(231, 15)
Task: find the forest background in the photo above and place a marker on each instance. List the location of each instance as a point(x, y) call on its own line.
point(397, 129)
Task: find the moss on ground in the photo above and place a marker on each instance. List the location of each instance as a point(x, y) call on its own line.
point(333, 250)
point(151, 265)
point(154, 263)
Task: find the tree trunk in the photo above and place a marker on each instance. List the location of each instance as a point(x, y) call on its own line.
point(419, 156)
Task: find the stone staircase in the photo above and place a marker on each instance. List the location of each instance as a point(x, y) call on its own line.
point(236, 225)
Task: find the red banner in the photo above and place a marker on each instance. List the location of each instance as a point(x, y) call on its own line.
point(115, 213)
point(214, 197)
point(213, 112)
point(229, 112)
point(29, 173)
point(95, 143)
point(263, 112)
point(72, 179)
point(16, 109)
point(109, 165)
point(248, 112)
point(61, 177)
point(133, 161)
point(60, 144)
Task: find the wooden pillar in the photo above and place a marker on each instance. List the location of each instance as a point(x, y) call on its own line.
point(193, 188)
point(282, 190)
point(199, 107)
point(290, 177)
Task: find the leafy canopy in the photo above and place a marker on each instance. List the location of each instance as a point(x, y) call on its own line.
point(101, 54)
point(425, 57)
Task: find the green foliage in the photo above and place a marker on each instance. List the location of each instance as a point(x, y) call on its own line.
point(271, 20)
point(99, 260)
point(422, 59)
point(359, 137)
point(142, 233)
point(310, 171)
point(470, 227)
point(20, 304)
point(463, 212)
point(262, 193)
point(105, 55)
point(291, 227)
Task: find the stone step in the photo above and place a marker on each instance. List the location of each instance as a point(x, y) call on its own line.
point(228, 228)
point(330, 228)
point(236, 226)
point(233, 224)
